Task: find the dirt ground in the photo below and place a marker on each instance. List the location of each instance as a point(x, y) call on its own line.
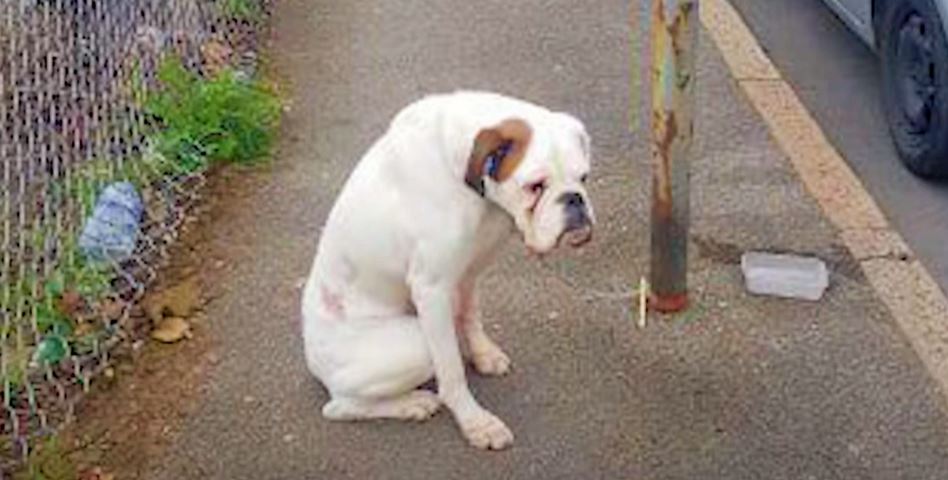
point(132, 414)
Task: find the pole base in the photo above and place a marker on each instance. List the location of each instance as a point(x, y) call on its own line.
point(668, 303)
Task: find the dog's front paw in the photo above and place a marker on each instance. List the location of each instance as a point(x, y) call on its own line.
point(492, 361)
point(487, 432)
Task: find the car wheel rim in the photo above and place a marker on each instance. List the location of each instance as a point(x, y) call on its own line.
point(915, 67)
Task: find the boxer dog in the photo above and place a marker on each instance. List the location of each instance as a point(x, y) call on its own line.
point(389, 302)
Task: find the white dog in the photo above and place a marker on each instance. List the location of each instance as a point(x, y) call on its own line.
point(389, 302)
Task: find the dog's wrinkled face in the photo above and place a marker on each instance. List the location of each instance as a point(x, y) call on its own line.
point(537, 174)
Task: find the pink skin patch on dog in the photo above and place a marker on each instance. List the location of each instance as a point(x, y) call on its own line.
point(333, 302)
point(463, 309)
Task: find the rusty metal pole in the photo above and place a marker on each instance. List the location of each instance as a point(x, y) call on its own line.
point(672, 44)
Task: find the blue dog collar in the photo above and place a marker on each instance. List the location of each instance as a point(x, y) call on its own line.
point(493, 161)
point(489, 168)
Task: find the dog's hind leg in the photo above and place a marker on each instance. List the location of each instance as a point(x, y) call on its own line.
point(415, 405)
point(377, 371)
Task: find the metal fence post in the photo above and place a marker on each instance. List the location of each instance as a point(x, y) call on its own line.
point(670, 63)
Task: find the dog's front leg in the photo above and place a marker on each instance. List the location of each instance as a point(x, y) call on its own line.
point(486, 356)
point(482, 429)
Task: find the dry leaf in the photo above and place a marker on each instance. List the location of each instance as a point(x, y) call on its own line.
point(216, 55)
point(179, 301)
point(154, 309)
point(112, 310)
point(69, 303)
point(171, 330)
point(84, 328)
point(96, 474)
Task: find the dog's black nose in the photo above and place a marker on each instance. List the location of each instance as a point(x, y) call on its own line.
point(573, 200)
point(574, 207)
point(578, 227)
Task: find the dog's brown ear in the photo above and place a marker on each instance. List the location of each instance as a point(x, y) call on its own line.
point(497, 152)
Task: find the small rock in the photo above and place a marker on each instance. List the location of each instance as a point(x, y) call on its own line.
point(109, 373)
point(289, 437)
point(219, 264)
point(171, 330)
point(249, 399)
point(553, 316)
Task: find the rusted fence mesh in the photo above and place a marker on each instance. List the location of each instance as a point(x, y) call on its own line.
point(88, 206)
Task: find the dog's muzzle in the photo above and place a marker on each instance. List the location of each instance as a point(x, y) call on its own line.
point(579, 227)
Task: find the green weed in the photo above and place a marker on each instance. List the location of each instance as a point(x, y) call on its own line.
point(248, 10)
point(38, 299)
point(199, 121)
point(48, 462)
point(203, 121)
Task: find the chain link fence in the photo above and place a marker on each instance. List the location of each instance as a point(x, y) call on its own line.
point(73, 75)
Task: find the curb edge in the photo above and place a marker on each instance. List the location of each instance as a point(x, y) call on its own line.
point(912, 296)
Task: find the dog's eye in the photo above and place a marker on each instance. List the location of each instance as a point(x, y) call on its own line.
point(537, 188)
point(583, 178)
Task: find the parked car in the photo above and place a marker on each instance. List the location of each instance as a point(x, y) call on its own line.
point(909, 38)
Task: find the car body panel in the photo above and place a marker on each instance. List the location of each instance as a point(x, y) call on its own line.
point(943, 10)
point(857, 15)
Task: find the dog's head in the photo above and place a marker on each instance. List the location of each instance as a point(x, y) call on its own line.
point(537, 172)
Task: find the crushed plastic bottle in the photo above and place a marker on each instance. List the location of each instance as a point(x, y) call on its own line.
point(782, 275)
point(111, 233)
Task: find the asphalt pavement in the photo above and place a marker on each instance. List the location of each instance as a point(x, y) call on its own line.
point(740, 387)
point(837, 78)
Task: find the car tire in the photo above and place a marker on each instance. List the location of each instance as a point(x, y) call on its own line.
point(914, 61)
